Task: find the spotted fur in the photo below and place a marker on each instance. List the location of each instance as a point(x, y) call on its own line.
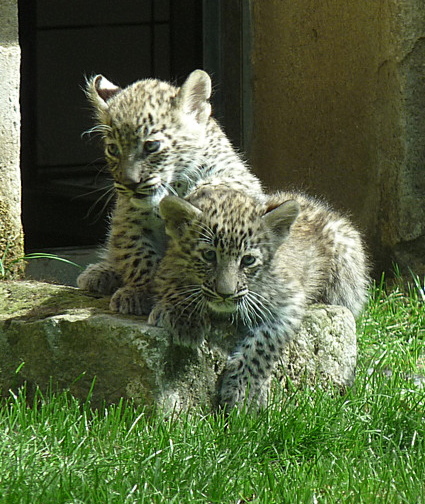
point(159, 140)
point(258, 265)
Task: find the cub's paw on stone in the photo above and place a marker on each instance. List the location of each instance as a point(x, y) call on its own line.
point(99, 278)
point(184, 331)
point(131, 300)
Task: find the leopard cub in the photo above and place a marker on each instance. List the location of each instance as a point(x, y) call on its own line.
point(258, 265)
point(159, 140)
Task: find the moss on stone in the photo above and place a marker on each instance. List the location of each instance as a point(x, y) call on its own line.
point(37, 300)
point(11, 244)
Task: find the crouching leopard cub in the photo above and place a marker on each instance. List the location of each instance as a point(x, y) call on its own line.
point(159, 140)
point(259, 265)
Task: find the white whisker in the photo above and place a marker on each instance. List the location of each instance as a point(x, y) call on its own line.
point(169, 188)
point(105, 191)
point(193, 298)
point(247, 312)
point(198, 308)
point(253, 308)
point(109, 194)
point(187, 288)
point(205, 233)
point(99, 129)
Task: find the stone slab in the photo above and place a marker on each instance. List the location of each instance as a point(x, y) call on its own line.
point(60, 337)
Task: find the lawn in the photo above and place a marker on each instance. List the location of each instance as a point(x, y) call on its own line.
point(309, 446)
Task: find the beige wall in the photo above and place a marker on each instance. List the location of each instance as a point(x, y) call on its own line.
point(11, 237)
point(337, 109)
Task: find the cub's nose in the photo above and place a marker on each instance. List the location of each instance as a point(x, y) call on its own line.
point(130, 176)
point(226, 283)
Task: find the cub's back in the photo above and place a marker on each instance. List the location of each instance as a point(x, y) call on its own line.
point(327, 251)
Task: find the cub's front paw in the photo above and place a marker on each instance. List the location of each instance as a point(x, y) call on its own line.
point(190, 334)
point(232, 391)
point(239, 389)
point(183, 331)
point(130, 300)
point(99, 278)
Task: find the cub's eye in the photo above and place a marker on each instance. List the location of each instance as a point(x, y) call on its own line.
point(248, 260)
point(151, 146)
point(113, 150)
point(209, 255)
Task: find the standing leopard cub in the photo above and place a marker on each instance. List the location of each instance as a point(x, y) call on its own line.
point(259, 265)
point(159, 140)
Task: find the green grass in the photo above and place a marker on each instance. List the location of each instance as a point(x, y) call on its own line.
point(309, 446)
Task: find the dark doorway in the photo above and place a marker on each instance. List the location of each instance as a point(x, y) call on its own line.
point(62, 42)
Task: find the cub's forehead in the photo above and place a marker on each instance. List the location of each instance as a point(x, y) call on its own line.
point(227, 205)
point(142, 102)
point(231, 216)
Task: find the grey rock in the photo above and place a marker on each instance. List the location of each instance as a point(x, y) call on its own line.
point(325, 349)
point(59, 337)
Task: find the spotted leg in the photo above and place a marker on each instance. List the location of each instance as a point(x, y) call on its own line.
point(247, 375)
point(135, 296)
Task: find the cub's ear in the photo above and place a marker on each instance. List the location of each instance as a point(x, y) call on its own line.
point(194, 95)
point(281, 218)
point(99, 91)
point(177, 213)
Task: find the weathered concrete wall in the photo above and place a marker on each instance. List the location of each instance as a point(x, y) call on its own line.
point(339, 110)
point(11, 236)
point(58, 336)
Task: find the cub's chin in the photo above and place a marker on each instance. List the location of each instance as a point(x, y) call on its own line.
point(146, 201)
point(222, 307)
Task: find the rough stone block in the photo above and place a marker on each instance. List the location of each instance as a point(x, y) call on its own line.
point(11, 236)
point(60, 337)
